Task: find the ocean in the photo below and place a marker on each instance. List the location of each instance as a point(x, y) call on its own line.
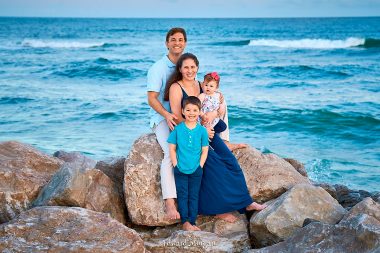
point(305, 88)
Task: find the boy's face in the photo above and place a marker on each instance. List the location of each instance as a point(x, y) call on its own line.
point(210, 87)
point(191, 112)
point(176, 43)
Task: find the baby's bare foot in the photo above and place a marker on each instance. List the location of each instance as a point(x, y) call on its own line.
point(229, 217)
point(256, 206)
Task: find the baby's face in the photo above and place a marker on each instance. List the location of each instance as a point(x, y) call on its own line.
point(210, 87)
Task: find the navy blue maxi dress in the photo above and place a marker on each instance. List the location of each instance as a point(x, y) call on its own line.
point(223, 187)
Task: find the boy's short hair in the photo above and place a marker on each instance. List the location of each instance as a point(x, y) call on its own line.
point(175, 30)
point(192, 100)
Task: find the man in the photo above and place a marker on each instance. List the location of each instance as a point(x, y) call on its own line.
point(161, 119)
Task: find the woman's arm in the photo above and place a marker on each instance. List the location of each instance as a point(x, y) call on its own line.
point(175, 97)
point(173, 154)
point(203, 156)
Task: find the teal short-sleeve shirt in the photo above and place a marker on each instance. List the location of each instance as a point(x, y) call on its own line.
point(189, 144)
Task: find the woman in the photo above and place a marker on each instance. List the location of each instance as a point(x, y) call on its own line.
point(223, 188)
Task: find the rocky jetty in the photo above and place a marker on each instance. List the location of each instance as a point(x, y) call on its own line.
point(23, 172)
point(71, 203)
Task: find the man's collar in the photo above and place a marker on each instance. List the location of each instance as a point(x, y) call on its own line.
point(169, 62)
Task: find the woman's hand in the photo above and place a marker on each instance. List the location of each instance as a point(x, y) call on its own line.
point(209, 117)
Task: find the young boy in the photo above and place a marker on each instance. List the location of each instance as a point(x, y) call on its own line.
point(188, 147)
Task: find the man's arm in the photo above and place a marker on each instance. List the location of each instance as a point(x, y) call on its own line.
point(157, 106)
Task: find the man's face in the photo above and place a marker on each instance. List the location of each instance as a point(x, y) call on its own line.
point(176, 43)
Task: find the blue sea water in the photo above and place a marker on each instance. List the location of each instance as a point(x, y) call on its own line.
point(306, 88)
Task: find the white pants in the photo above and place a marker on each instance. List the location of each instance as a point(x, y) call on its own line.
point(162, 132)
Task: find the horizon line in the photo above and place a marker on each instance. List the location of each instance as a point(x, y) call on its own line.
point(89, 17)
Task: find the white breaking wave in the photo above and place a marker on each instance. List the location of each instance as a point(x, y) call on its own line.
point(309, 43)
point(59, 44)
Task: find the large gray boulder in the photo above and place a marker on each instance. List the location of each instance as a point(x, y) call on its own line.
point(345, 196)
point(216, 236)
point(142, 187)
point(286, 214)
point(359, 234)
point(23, 172)
point(114, 168)
point(67, 229)
point(367, 206)
point(267, 175)
point(74, 185)
point(75, 157)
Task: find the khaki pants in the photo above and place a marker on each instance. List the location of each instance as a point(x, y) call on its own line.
point(162, 132)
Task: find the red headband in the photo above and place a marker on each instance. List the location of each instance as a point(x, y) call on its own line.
point(215, 76)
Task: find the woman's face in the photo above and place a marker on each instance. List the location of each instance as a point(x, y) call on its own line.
point(189, 69)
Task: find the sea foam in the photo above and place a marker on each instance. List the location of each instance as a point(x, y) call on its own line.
point(309, 43)
point(59, 44)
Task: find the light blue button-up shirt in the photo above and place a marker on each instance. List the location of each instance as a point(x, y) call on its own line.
point(158, 75)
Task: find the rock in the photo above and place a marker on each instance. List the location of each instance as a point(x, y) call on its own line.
point(297, 165)
point(75, 157)
point(114, 169)
point(23, 172)
point(286, 214)
point(234, 233)
point(200, 241)
point(82, 187)
point(267, 175)
point(345, 196)
point(329, 188)
point(360, 234)
point(367, 206)
point(142, 187)
point(376, 197)
point(67, 229)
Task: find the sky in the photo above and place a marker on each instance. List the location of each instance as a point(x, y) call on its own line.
point(189, 8)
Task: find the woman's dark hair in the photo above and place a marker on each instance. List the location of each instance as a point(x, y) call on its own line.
point(177, 75)
point(192, 100)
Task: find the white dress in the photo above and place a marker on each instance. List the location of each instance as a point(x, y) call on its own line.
point(211, 104)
